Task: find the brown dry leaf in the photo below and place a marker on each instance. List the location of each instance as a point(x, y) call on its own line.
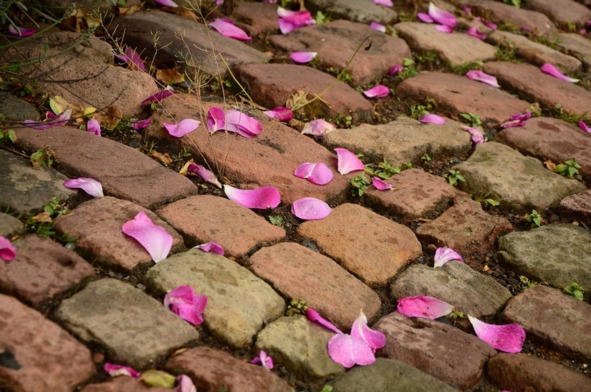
point(550, 165)
point(130, 10)
point(296, 99)
point(183, 171)
point(42, 217)
point(109, 118)
point(164, 158)
point(169, 76)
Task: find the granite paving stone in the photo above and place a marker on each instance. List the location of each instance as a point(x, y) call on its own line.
point(132, 327)
point(16, 109)
point(578, 206)
point(576, 46)
point(562, 12)
point(44, 356)
point(368, 245)
point(239, 303)
point(555, 318)
point(300, 273)
point(96, 224)
point(124, 172)
point(122, 383)
point(354, 10)
point(256, 18)
point(206, 218)
point(9, 225)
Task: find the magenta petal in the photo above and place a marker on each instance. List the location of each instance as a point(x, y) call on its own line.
point(242, 124)
point(315, 317)
point(260, 198)
point(114, 370)
point(348, 161)
point(302, 57)
point(88, 185)
point(93, 127)
point(521, 116)
point(482, 77)
point(508, 338)
point(189, 306)
point(441, 16)
point(380, 184)
point(552, 70)
point(166, 3)
point(385, 3)
point(155, 239)
point(475, 32)
point(349, 351)
point(291, 20)
point(211, 247)
point(584, 127)
point(443, 255)
point(185, 384)
point(20, 31)
point(444, 28)
point(182, 128)
point(135, 58)
point(318, 128)
point(424, 307)
point(316, 173)
point(424, 17)
point(395, 69)
point(228, 29)
point(159, 96)
point(432, 119)
point(378, 26)
point(51, 120)
point(280, 113)
point(205, 174)
point(141, 124)
point(7, 250)
point(476, 133)
point(264, 359)
point(216, 119)
point(374, 339)
point(309, 208)
point(379, 91)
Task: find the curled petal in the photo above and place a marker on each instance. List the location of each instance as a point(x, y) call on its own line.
point(260, 198)
point(20, 31)
point(423, 306)
point(380, 184)
point(444, 28)
point(225, 27)
point(211, 247)
point(265, 360)
point(159, 96)
point(316, 173)
point(347, 161)
point(315, 317)
point(291, 20)
point(379, 91)
point(423, 17)
point(318, 128)
point(302, 57)
point(521, 116)
point(349, 351)
point(517, 120)
point(385, 3)
point(114, 370)
point(131, 56)
point(487, 23)
point(441, 16)
point(432, 119)
point(374, 339)
point(552, 70)
point(474, 31)
point(216, 119)
point(51, 120)
point(180, 129)
point(141, 124)
point(7, 250)
point(584, 127)
point(94, 127)
point(508, 338)
point(280, 113)
point(185, 384)
point(483, 77)
point(310, 208)
point(443, 255)
point(242, 124)
point(184, 302)
point(166, 3)
point(476, 133)
point(395, 69)
point(378, 26)
point(88, 185)
point(155, 239)
point(205, 174)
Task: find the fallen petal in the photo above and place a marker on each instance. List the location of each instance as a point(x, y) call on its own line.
point(349, 351)
point(379, 91)
point(280, 113)
point(432, 119)
point(260, 198)
point(166, 3)
point(310, 208)
point(211, 247)
point(265, 360)
point(374, 339)
point(378, 26)
point(94, 127)
point(318, 128)
point(20, 31)
point(441, 16)
point(584, 127)
point(159, 96)
point(182, 128)
point(7, 250)
point(141, 124)
point(476, 133)
point(508, 337)
point(380, 184)
point(444, 28)
point(348, 161)
point(315, 317)
point(513, 124)
point(131, 56)
point(155, 239)
point(291, 20)
point(114, 370)
point(423, 17)
point(483, 77)
point(184, 302)
point(88, 185)
point(302, 57)
point(424, 307)
point(487, 23)
point(51, 120)
point(205, 174)
point(395, 69)
point(242, 124)
point(552, 70)
point(225, 27)
point(443, 255)
point(385, 3)
point(216, 119)
point(317, 173)
point(474, 31)
point(521, 116)
point(184, 384)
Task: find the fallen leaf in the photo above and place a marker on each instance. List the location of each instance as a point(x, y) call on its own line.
point(42, 217)
point(129, 10)
point(183, 170)
point(164, 158)
point(109, 118)
point(550, 165)
point(169, 76)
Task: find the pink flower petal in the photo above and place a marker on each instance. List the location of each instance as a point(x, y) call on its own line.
point(474, 31)
point(374, 339)
point(443, 255)
point(444, 28)
point(211, 247)
point(309, 208)
point(260, 198)
point(315, 317)
point(379, 91)
point(380, 184)
point(280, 113)
point(159, 96)
point(114, 370)
point(318, 128)
point(7, 250)
point(242, 124)
point(141, 124)
point(508, 338)
point(291, 20)
point(552, 70)
point(378, 26)
point(385, 3)
point(227, 28)
point(423, 17)
point(216, 119)
point(188, 305)
point(51, 120)
point(348, 161)
point(441, 16)
point(349, 351)
point(185, 384)
point(395, 69)
point(424, 307)
point(482, 77)
point(265, 360)
point(88, 185)
point(155, 239)
point(131, 56)
point(317, 173)
point(476, 133)
point(432, 119)
point(487, 23)
point(94, 127)
point(302, 57)
point(20, 31)
point(584, 127)
point(166, 3)
point(180, 129)
point(517, 120)
point(521, 116)
point(205, 174)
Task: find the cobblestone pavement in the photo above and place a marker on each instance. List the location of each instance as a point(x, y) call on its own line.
point(68, 306)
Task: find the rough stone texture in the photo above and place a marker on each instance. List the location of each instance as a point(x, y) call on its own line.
point(370, 246)
point(239, 303)
point(42, 269)
point(577, 46)
point(557, 319)
point(465, 227)
point(206, 218)
point(354, 10)
point(215, 369)
point(551, 138)
point(562, 12)
point(336, 42)
point(521, 373)
point(88, 5)
point(46, 358)
point(559, 254)
point(455, 48)
point(453, 356)
point(123, 383)
point(183, 41)
point(133, 328)
point(300, 273)
point(300, 346)
point(97, 226)
point(256, 18)
point(532, 84)
point(578, 206)
point(403, 140)
point(455, 283)
point(515, 180)
point(457, 94)
point(9, 225)
point(124, 172)
point(271, 85)
point(25, 189)
point(415, 194)
point(388, 375)
point(16, 109)
point(534, 52)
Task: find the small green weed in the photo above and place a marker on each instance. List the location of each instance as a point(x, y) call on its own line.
point(425, 158)
point(7, 136)
point(569, 168)
point(487, 202)
point(506, 52)
point(463, 68)
point(44, 157)
point(575, 290)
point(514, 3)
point(321, 18)
point(360, 183)
point(568, 117)
point(341, 74)
point(277, 220)
point(527, 283)
point(326, 388)
point(343, 121)
point(472, 119)
point(534, 218)
point(409, 69)
point(296, 306)
point(42, 224)
point(454, 176)
point(456, 315)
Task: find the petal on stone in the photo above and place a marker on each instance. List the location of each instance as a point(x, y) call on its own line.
point(131, 56)
point(242, 124)
point(141, 124)
point(264, 359)
point(423, 17)
point(94, 127)
point(476, 134)
point(260, 198)
point(180, 129)
point(423, 306)
point(444, 28)
point(378, 26)
point(432, 119)
point(302, 57)
point(348, 161)
point(291, 20)
point(521, 116)
point(318, 128)
point(487, 23)
point(227, 28)
point(349, 351)
point(310, 208)
point(441, 16)
point(395, 69)
point(315, 317)
point(317, 173)
point(205, 174)
point(184, 302)
point(584, 127)
point(159, 96)
point(280, 113)
point(216, 119)
point(114, 370)
point(374, 339)
point(474, 31)
point(552, 70)
point(482, 77)
point(155, 239)
point(385, 3)
point(443, 255)
point(20, 31)
point(51, 120)
point(380, 184)
point(508, 337)
point(211, 247)
point(166, 3)
point(379, 91)
point(88, 185)
point(7, 250)
point(185, 384)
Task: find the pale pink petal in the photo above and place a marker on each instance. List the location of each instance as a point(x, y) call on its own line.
point(517, 120)
point(225, 27)
point(378, 26)
point(395, 69)
point(482, 77)
point(141, 124)
point(205, 174)
point(379, 91)
point(302, 57)
point(265, 360)
point(20, 31)
point(211, 247)
point(7, 250)
point(444, 28)
point(188, 305)
point(513, 124)
point(280, 113)
point(374, 339)
point(88, 185)
point(51, 120)
point(184, 384)
point(180, 129)
point(348, 161)
point(423, 306)
point(242, 124)
point(487, 23)
point(349, 351)
point(441, 16)
point(114, 370)
point(310, 208)
point(443, 255)
point(260, 198)
point(508, 337)
point(216, 119)
point(155, 239)
point(315, 317)
point(521, 116)
point(159, 96)
point(166, 3)
point(432, 119)
point(317, 173)
point(291, 20)
point(94, 127)
point(423, 17)
point(385, 3)
point(584, 127)
point(552, 70)
point(474, 31)
point(318, 128)
point(380, 184)
point(476, 134)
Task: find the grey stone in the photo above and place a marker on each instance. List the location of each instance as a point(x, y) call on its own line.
point(9, 225)
point(562, 12)
point(577, 46)
point(16, 109)
point(132, 327)
point(354, 10)
point(89, 5)
point(239, 303)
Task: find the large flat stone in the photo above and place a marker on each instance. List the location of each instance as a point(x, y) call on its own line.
point(16, 109)
point(578, 206)
point(119, 384)
point(562, 12)
point(577, 46)
point(256, 18)
point(354, 10)
point(9, 225)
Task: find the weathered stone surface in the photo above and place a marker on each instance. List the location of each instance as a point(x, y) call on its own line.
point(119, 384)
point(521, 372)
point(403, 140)
point(578, 206)
point(206, 218)
point(215, 369)
point(336, 42)
point(559, 254)
point(300, 345)
point(133, 328)
point(532, 84)
point(456, 94)
point(455, 48)
point(25, 189)
point(368, 245)
point(9, 225)
point(256, 18)
point(318, 280)
point(553, 317)
point(97, 226)
point(41, 269)
point(88, 5)
point(354, 10)
point(455, 283)
point(441, 350)
point(562, 12)
point(515, 180)
point(577, 46)
point(124, 172)
point(239, 303)
point(16, 109)
point(465, 227)
point(46, 358)
point(386, 375)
